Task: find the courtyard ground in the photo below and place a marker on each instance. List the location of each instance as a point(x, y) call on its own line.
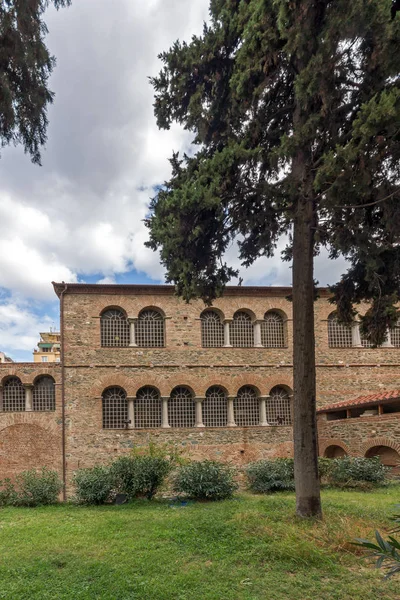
point(249, 548)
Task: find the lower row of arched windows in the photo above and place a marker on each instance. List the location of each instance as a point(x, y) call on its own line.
point(17, 397)
point(149, 410)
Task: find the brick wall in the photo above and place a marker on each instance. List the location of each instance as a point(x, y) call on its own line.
point(30, 439)
point(342, 374)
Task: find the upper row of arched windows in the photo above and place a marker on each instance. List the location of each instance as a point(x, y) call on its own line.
point(17, 397)
point(148, 330)
point(348, 336)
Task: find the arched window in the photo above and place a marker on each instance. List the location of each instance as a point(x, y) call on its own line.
point(241, 330)
point(114, 328)
point(181, 408)
point(44, 397)
point(147, 408)
point(395, 335)
point(150, 329)
point(339, 335)
point(115, 408)
point(278, 407)
point(212, 330)
point(272, 330)
point(246, 407)
point(215, 408)
point(13, 395)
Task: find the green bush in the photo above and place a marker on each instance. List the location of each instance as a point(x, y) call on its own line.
point(94, 485)
point(8, 493)
point(351, 472)
point(140, 475)
point(205, 480)
point(325, 466)
point(271, 475)
point(31, 488)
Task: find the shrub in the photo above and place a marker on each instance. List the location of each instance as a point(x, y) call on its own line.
point(325, 466)
point(351, 472)
point(31, 488)
point(205, 480)
point(271, 475)
point(140, 475)
point(94, 485)
point(8, 493)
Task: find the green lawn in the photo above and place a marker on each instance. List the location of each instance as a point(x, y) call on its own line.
point(250, 548)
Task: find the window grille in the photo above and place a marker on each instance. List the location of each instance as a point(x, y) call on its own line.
point(339, 335)
point(212, 330)
point(395, 335)
point(246, 407)
point(114, 328)
point(44, 397)
point(241, 330)
point(215, 408)
point(150, 329)
point(115, 409)
point(278, 407)
point(181, 408)
point(272, 331)
point(13, 395)
point(147, 407)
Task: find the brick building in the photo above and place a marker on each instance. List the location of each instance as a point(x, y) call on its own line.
point(138, 364)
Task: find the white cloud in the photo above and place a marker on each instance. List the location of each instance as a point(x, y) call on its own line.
point(82, 213)
point(19, 329)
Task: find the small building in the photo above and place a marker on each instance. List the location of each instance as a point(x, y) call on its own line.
point(49, 348)
point(5, 359)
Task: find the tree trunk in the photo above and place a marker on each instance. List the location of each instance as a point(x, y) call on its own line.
point(308, 500)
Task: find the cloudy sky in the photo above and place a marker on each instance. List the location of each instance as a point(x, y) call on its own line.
point(79, 216)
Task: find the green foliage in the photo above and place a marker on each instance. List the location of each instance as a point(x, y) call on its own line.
point(325, 466)
point(386, 552)
point(25, 68)
point(205, 480)
point(286, 101)
point(271, 475)
point(94, 485)
point(139, 475)
point(8, 493)
point(350, 472)
point(31, 488)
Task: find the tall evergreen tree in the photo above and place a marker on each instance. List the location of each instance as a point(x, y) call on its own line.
point(294, 107)
point(25, 66)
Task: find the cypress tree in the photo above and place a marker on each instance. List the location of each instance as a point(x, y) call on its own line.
point(294, 107)
point(25, 66)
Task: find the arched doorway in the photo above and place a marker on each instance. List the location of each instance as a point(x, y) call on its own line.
point(389, 457)
point(334, 451)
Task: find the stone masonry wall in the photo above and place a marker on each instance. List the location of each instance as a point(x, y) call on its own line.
point(30, 439)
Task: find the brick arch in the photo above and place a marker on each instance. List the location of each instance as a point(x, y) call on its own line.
point(249, 379)
point(325, 443)
point(131, 385)
point(283, 380)
point(108, 304)
point(17, 373)
point(224, 382)
point(113, 380)
point(43, 420)
point(177, 379)
point(380, 441)
point(43, 374)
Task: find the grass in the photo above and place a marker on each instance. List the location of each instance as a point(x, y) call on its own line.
point(249, 548)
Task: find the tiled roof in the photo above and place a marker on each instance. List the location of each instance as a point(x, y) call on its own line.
point(362, 400)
